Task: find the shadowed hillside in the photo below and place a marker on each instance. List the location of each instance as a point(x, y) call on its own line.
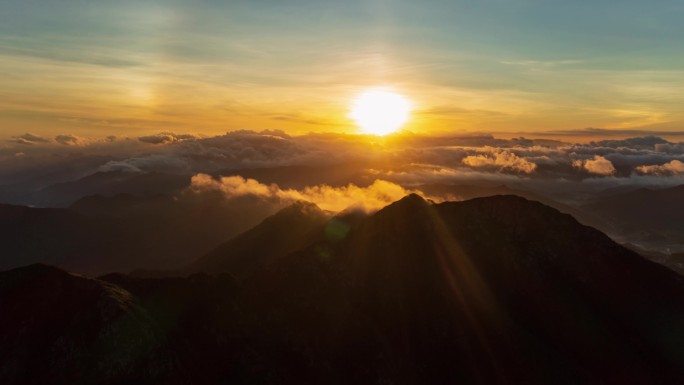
point(491, 290)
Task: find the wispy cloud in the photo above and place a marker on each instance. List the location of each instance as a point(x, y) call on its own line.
point(373, 197)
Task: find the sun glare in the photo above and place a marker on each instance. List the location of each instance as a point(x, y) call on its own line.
point(380, 112)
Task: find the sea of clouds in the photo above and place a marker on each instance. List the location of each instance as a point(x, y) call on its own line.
point(386, 168)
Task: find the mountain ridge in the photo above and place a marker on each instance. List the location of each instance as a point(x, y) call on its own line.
point(491, 290)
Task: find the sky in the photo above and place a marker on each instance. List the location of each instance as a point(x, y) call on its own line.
point(523, 67)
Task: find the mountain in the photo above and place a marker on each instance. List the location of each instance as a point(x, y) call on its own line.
point(289, 230)
point(108, 184)
point(97, 234)
point(175, 229)
point(64, 238)
point(60, 328)
point(651, 218)
point(209, 334)
point(674, 261)
point(470, 191)
point(489, 290)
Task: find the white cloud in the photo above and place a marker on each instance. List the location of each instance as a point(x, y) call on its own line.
point(674, 167)
point(501, 159)
point(598, 165)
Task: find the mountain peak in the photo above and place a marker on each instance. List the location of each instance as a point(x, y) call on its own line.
point(36, 270)
point(412, 199)
point(305, 205)
point(286, 231)
point(301, 207)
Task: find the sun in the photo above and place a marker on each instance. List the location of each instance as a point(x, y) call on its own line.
point(380, 112)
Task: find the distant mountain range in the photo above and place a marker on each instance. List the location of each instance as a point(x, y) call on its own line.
point(489, 290)
point(97, 235)
point(64, 194)
point(652, 217)
point(111, 183)
point(645, 216)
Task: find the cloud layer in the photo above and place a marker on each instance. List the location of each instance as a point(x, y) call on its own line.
point(373, 197)
point(29, 162)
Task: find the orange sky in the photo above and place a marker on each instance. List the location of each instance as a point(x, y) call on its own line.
point(133, 68)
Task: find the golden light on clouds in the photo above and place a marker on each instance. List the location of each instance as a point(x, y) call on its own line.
point(380, 111)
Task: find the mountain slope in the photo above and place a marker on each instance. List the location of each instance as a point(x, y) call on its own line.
point(56, 327)
point(108, 183)
point(467, 192)
point(289, 230)
point(651, 217)
point(491, 290)
point(99, 234)
point(487, 291)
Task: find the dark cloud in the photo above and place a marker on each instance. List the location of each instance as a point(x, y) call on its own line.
point(639, 143)
point(68, 140)
point(604, 132)
point(165, 137)
point(29, 138)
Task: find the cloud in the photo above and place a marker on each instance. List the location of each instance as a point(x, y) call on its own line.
point(118, 166)
point(674, 167)
point(379, 194)
point(598, 165)
point(407, 160)
point(165, 137)
point(670, 148)
point(605, 132)
point(638, 143)
point(501, 159)
point(29, 138)
point(159, 163)
point(68, 140)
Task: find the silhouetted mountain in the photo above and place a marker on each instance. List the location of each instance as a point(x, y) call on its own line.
point(106, 184)
point(59, 328)
point(122, 205)
point(199, 316)
point(62, 237)
point(649, 217)
point(490, 290)
point(674, 261)
point(291, 229)
point(466, 192)
point(124, 232)
point(177, 229)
